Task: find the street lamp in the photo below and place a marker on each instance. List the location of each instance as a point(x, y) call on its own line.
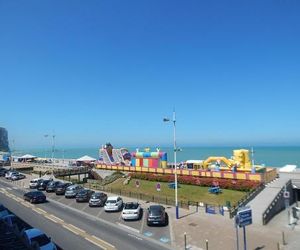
point(45, 150)
point(175, 155)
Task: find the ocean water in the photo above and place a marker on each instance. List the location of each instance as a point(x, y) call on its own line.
point(269, 156)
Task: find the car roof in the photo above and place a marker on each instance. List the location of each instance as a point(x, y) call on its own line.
point(33, 232)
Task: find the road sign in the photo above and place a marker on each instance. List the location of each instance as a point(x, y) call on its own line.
point(158, 186)
point(137, 183)
point(286, 194)
point(244, 217)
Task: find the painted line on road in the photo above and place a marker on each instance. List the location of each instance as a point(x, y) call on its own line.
point(8, 188)
point(134, 236)
point(15, 188)
point(100, 212)
point(95, 243)
point(77, 229)
point(39, 210)
point(24, 203)
point(62, 197)
point(50, 218)
point(85, 207)
point(70, 229)
point(3, 189)
point(16, 199)
point(56, 218)
point(128, 227)
point(94, 239)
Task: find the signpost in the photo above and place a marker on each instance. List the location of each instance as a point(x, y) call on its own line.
point(243, 219)
point(158, 187)
point(137, 183)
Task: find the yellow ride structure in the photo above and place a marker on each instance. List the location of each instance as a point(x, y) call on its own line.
point(240, 160)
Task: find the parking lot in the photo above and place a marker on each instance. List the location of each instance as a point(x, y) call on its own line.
point(159, 233)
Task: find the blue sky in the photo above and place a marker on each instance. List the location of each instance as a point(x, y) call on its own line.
point(98, 71)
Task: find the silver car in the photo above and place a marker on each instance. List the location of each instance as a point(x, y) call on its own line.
point(72, 191)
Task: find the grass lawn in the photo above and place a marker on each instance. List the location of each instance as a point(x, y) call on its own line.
point(185, 192)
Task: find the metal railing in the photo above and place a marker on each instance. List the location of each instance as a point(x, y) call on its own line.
point(277, 204)
point(246, 199)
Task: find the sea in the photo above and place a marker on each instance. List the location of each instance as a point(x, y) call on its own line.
point(275, 156)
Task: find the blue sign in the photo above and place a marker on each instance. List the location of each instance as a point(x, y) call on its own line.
point(244, 217)
point(210, 209)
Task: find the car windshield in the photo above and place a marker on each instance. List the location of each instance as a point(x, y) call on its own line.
point(156, 211)
point(41, 239)
point(96, 196)
point(131, 205)
point(111, 201)
point(83, 192)
point(70, 188)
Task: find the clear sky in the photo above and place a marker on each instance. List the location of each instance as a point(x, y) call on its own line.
point(97, 71)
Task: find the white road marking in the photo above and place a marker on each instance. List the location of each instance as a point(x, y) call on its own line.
point(100, 212)
point(61, 198)
point(56, 218)
point(76, 228)
point(70, 229)
point(95, 243)
point(128, 227)
point(15, 188)
point(39, 210)
point(8, 188)
point(85, 207)
point(50, 218)
point(134, 236)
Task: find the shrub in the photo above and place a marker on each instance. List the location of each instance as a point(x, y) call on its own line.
point(241, 185)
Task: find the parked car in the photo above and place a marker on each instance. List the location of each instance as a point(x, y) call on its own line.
point(131, 211)
point(72, 191)
point(61, 188)
point(52, 185)
point(98, 200)
point(18, 176)
point(113, 203)
point(10, 173)
point(34, 183)
point(37, 239)
point(42, 184)
point(35, 197)
point(156, 215)
point(84, 195)
point(3, 171)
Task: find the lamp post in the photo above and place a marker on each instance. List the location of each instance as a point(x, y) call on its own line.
point(175, 159)
point(53, 146)
point(45, 149)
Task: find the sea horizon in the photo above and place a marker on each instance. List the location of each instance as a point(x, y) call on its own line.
point(273, 156)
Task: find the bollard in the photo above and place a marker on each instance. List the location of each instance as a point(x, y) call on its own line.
point(278, 246)
point(184, 240)
point(283, 239)
point(206, 244)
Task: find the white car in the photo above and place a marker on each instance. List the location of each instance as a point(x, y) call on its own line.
point(113, 203)
point(131, 211)
point(18, 176)
point(10, 173)
point(34, 183)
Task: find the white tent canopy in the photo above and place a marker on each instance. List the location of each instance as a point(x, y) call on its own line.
point(86, 158)
point(28, 156)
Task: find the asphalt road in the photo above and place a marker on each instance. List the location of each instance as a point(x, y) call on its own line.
point(71, 228)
